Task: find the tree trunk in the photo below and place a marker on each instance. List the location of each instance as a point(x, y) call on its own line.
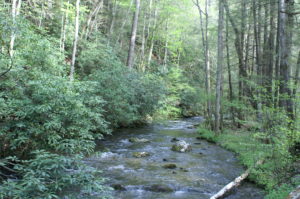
point(270, 55)
point(130, 58)
point(152, 36)
point(113, 18)
point(166, 45)
point(234, 184)
point(285, 98)
point(124, 23)
point(15, 11)
point(231, 94)
point(93, 14)
point(205, 43)
point(296, 82)
point(72, 71)
point(219, 68)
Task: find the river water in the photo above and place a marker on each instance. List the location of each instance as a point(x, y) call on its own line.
point(199, 173)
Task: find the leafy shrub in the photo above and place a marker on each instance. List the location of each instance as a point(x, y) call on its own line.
point(49, 175)
point(130, 96)
point(181, 99)
point(45, 122)
point(49, 113)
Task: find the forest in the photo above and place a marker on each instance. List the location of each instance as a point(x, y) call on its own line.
point(75, 73)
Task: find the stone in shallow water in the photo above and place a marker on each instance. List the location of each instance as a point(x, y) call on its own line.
point(174, 140)
point(159, 188)
point(137, 140)
point(140, 154)
point(170, 166)
point(118, 187)
point(181, 146)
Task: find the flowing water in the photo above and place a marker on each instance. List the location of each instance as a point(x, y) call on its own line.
point(199, 173)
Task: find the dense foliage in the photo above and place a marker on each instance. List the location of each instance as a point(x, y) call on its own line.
point(71, 72)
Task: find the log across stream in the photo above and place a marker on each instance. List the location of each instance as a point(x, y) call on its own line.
point(163, 173)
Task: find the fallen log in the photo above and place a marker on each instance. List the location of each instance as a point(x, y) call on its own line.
point(235, 183)
point(295, 194)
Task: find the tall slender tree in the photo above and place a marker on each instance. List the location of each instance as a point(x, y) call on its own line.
point(72, 71)
point(130, 58)
point(218, 126)
point(285, 40)
point(15, 11)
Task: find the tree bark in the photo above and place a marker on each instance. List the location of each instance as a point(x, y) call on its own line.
point(72, 71)
point(15, 11)
point(237, 181)
point(285, 39)
point(124, 23)
point(152, 36)
point(231, 94)
point(130, 58)
point(113, 18)
point(219, 68)
point(205, 43)
point(166, 45)
point(92, 15)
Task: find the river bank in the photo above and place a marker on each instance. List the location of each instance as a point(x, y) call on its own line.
point(275, 175)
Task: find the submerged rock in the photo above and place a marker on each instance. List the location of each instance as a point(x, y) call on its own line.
point(170, 166)
point(118, 187)
point(183, 169)
point(138, 140)
point(140, 154)
point(181, 146)
point(159, 188)
point(174, 140)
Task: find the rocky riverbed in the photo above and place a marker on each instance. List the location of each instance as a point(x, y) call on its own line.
point(140, 163)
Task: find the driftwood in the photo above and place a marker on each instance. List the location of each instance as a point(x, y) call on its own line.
point(237, 181)
point(295, 194)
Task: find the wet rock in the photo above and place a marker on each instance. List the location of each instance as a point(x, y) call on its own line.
point(159, 188)
point(181, 146)
point(174, 172)
point(199, 138)
point(137, 140)
point(170, 166)
point(174, 140)
point(196, 125)
point(197, 143)
point(140, 154)
point(118, 187)
point(165, 160)
point(183, 169)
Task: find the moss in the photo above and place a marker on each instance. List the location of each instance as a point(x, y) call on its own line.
point(207, 135)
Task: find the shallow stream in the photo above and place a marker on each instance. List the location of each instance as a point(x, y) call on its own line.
point(198, 175)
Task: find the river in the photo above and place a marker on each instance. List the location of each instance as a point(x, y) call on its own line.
point(198, 174)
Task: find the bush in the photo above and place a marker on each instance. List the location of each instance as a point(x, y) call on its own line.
point(49, 175)
point(46, 122)
point(130, 96)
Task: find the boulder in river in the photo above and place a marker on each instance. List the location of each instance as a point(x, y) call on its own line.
point(159, 188)
point(181, 146)
point(140, 154)
point(138, 140)
point(170, 166)
point(118, 187)
point(174, 140)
